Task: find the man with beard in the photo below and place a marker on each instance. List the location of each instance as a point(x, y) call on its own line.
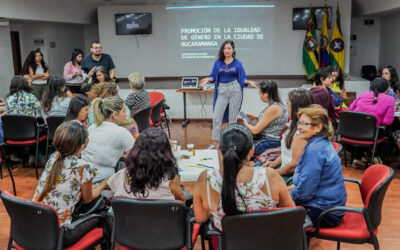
point(97, 58)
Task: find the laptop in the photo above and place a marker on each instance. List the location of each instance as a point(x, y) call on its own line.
point(190, 83)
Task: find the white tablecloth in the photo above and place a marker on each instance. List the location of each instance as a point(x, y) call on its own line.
point(206, 157)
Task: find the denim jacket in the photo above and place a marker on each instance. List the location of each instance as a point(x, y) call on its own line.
point(318, 178)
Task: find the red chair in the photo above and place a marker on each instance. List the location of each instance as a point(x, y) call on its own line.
point(337, 146)
point(22, 130)
point(365, 134)
point(35, 225)
point(156, 97)
point(360, 225)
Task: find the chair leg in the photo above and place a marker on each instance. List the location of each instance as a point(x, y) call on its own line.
point(375, 242)
point(1, 171)
point(10, 240)
point(338, 245)
point(345, 155)
point(12, 179)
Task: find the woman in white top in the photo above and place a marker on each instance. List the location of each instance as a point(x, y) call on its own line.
point(73, 74)
point(291, 144)
point(237, 187)
point(37, 68)
point(55, 100)
point(108, 142)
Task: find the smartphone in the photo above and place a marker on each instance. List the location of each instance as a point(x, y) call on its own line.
point(244, 116)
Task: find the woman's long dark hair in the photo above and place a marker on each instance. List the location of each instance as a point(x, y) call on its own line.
point(18, 84)
point(30, 62)
point(394, 77)
point(322, 97)
point(75, 53)
point(378, 85)
point(77, 103)
point(221, 55)
point(68, 139)
point(299, 98)
point(235, 144)
point(340, 76)
point(55, 88)
point(271, 88)
point(150, 162)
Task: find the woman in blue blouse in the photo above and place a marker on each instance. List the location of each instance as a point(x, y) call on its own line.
point(229, 79)
point(318, 182)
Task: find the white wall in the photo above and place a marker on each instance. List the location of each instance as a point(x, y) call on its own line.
point(369, 7)
point(90, 33)
point(287, 55)
point(390, 41)
point(6, 61)
point(68, 11)
point(66, 36)
point(365, 49)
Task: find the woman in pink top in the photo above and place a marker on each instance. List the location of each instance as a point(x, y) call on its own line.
point(151, 171)
point(375, 102)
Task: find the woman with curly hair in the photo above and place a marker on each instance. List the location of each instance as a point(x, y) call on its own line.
point(151, 171)
point(37, 68)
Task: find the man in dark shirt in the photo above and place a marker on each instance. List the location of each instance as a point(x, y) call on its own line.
point(97, 58)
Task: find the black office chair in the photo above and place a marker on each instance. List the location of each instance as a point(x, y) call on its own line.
point(156, 114)
point(36, 226)
point(150, 224)
point(21, 130)
point(365, 134)
point(142, 118)
point(369, 72)
point(53, 122)
point(264, 230)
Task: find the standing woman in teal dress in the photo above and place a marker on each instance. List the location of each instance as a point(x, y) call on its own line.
point(229, 78)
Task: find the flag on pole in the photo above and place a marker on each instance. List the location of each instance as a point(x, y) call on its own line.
point(324, 60)
point(310, 48)
point(337, 44)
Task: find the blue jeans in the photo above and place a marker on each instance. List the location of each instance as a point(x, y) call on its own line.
point(266, 142)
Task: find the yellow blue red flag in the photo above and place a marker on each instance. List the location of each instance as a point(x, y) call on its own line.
point(336, 49)
point(324, 60)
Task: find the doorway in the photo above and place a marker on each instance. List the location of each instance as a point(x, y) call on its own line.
point(16, 52)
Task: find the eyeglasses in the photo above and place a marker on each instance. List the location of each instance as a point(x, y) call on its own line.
point(97, 47)
point(303, 124)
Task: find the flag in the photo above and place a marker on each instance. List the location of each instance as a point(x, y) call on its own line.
point(310, 48)
point(324, 42)
point(337, 44)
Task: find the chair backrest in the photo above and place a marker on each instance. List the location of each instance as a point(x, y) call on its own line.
point(375, 182)
point(265, 230)
point(156, 112)
point(149, 224)
point(365, 129)
point(33, 225)
point(53, 122)
point(19, 127)
point(368, 72)
point(155, 97)
point(142, 118)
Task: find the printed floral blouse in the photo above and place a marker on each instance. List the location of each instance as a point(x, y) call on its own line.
point(67, 192)
point(251, 197)
point(23, 103)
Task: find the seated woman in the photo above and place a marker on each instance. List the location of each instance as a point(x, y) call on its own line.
point(378, 103)
point(139, 98)
point(237, 186)
point(323, 78)
point(66, 178)
point(101, 74)
point(396, 127)
point(108, 142)
point(390, 74)
point(55, 100)
point(271, 120)
point(338, 84)
point(103, 90)
point(78, 109)
point(151, 171)
point(292, 144)
point(20, 100)
point(318, 179)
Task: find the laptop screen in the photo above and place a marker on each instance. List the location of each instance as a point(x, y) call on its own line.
point(190, 82)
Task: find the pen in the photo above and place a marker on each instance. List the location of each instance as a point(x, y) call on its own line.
point(197, 166)
point(204, 159)
point(204, 165)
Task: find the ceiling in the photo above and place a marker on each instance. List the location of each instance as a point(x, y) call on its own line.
point(163, 2)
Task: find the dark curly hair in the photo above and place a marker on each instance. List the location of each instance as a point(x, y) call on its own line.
point(31, 62)
point(150, 162)
point(221, 55)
